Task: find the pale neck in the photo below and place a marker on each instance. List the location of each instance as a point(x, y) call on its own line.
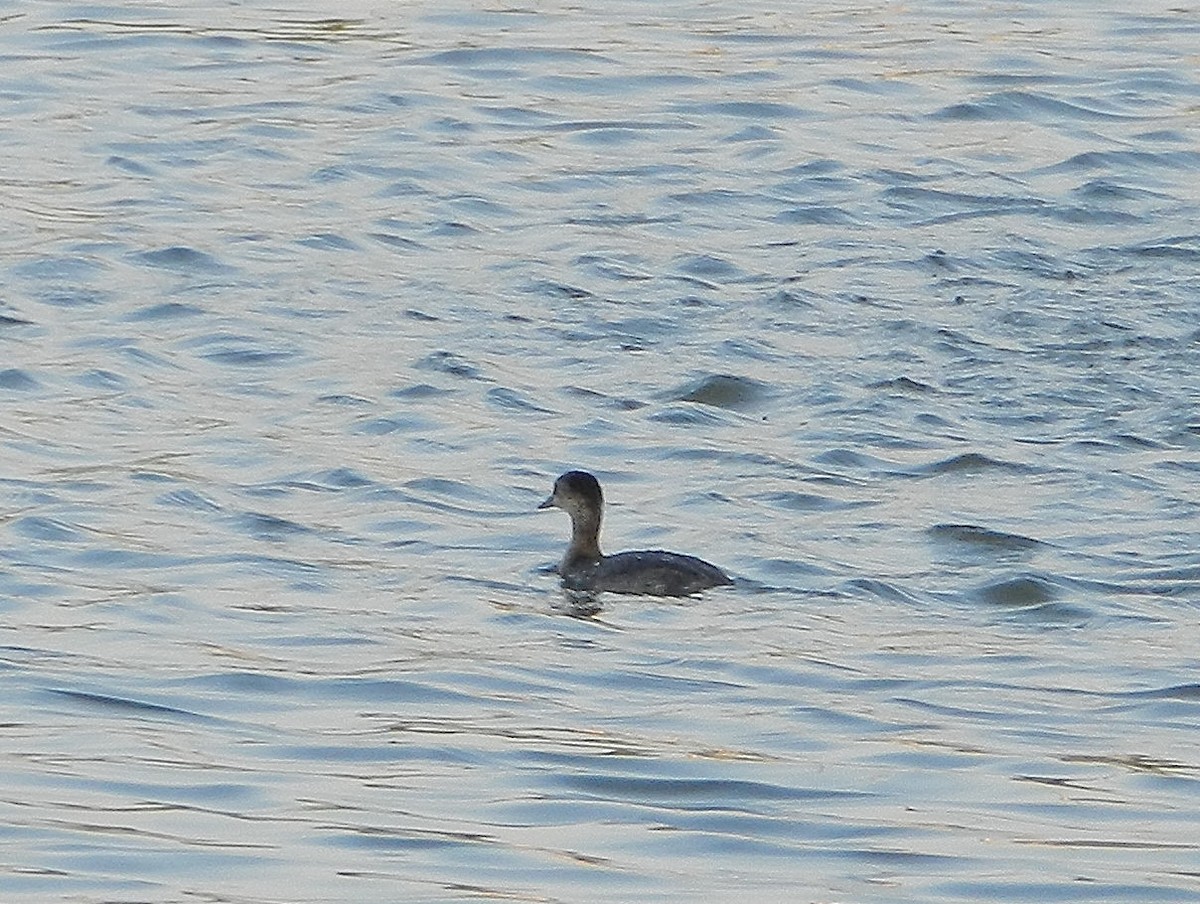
point(585, 538)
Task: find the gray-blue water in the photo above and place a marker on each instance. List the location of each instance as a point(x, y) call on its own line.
point(892, 310)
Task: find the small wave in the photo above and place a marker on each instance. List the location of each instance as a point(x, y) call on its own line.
point(883, 590)
point(511, 400)
point(395, 423)
point(1021, 591)
point(753, 133)
point(906, 385)
point(15, 378)
point(1124, 161)
point(1107, 190)
point(170, 310)
point(269, 527)
point(344, 399)
point(248, 357)
point(1025, 106)
point(128, 166)
point(760, 111)
point(685, 416)
point(1054, 613)
point(396, 241)
point(188, 499)
point(1171, 692)
point(844, 458)
point(469, 57)
point(129, 559)
point(925, 200)
point(139, 707)
point(806, 502)
point(49, 530)
point(182, 258)
point(450, 363)
point(691, 793)
point(419, 392)
point(972, 463)
point(329, 241)
point(724, 391)
point(103, 379)
point(341, 479)
point(707, 266)
point(71, 296)
point(554, 289)
point(815, 215)
point(592, 397)
point(58, 268)
point(448, 489)
point(975, 536)
point(1183, 249)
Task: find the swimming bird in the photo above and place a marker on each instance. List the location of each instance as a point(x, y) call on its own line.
point(652, 571)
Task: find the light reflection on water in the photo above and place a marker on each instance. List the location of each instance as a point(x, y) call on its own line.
point(888, 311)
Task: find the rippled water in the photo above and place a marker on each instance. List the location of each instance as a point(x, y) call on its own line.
point(890, 310)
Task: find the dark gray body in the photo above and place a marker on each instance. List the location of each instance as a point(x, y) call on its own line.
point(650, 571)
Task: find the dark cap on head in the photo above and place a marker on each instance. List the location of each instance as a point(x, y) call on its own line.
point(579, 484)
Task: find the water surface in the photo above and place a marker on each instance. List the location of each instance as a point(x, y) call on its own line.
point(889, 310)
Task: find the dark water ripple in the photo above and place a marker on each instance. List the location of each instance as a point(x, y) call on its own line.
point(889, 313)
